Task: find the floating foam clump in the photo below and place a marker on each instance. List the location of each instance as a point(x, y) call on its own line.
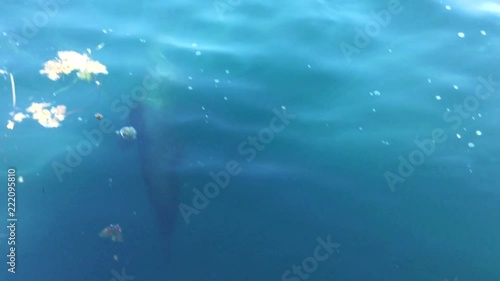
point(69, 61)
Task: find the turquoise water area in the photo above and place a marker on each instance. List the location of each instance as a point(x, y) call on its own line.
point(389, 154)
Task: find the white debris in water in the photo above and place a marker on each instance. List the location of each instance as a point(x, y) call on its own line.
point(203, 108)
point(308, 66)
point(190, 88)
point(461, 35)
point(471, 145)
point(198, 53)
point(194, 45)
point(385, 142)
point(373, 109)
point(227, 71)
point(390, 50)
point(142, 40)
point(100, 46)
point(483, 32)
point(479, 133)
point(377, 93)
point(225, 98)
point(360, 128)
point(79, 118)
point(216, 81)
point(459, 136)
point(429, 80)
point(104, 31)
point(206, 116)
point(455, 87)
point(438, 97)
point(20, 179)
point(190, 78)
point(283, 107)
point(448, 7)
point(479, 115)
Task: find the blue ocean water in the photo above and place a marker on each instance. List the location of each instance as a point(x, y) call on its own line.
point(372, 125)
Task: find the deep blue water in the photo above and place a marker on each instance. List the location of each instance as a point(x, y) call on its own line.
point(367, 85)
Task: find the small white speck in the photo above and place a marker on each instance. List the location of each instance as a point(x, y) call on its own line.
point(206, 116)
point(373, 109)
point(438, 97)
point(198, 53)
point(390, 50)
point(371, 93)
point(194, 45)
point(360, 128)
point(429, 80)
point(283, 107)
point(377, 93)
point(225, 98)
point(104, 31)
point(455, 87)
point(203, 108)
point(471, 145)
point(385, 142)
point(79, 118)
point(20, 179)
point(142, 40)
point(216, 81)
point(461, 35)
point(227, 71)
point(459, 136)
point(483, 32)
point(190, 88)
point(308, 66)
point(479, 115)
point(479, 133)
point(448, 7)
